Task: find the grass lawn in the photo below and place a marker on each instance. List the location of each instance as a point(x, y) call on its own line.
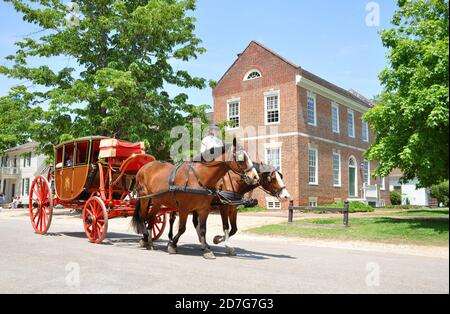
point(251, 210)
point(425, 212)
point(377, 229)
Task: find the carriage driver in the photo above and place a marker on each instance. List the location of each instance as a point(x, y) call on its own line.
point(212, 140)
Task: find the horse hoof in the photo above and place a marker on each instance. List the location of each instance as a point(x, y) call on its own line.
point(208, 255)
point(217, 239)
point(144, 244)
point(230, 251)
point(172, 250)
point(150, 248)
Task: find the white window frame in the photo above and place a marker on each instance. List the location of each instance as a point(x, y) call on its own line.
point(352, 113)
point(340, 169)
point(312, 96)
point(365, 131)
point(266, 113)
point(250, 72)
point(230, 102)
point(337, 130)
point(368, 172)
point(383, 184)
point(278, 146)
point(273, 200)
point(316, 182)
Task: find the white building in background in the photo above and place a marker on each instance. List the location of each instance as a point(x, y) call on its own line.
point(419, 197)
point(18, 168)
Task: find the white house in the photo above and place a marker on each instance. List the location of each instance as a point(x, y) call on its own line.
point(18, 168)
point(419, 197)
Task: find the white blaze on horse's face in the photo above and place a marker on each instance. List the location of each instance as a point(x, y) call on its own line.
point(252, 174)
point(284, 195)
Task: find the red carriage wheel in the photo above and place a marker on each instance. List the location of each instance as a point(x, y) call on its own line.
point(95, 220)
point(40, 205)
point(158, 226)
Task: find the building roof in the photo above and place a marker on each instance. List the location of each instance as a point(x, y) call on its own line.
point(26, 146)
point(352, 94)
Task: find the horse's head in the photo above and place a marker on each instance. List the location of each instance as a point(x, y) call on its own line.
point(241, 164)
point(271, 180)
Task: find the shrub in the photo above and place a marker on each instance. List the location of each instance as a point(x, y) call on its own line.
point(440, 192)
point(354, 207)
point(396, 198)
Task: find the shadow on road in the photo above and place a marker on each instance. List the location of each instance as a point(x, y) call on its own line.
point(124, 240)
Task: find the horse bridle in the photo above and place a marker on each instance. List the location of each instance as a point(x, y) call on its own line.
point(243, 173)
point(277, 192)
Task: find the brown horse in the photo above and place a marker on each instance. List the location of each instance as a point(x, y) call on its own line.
point(271, 181)
point(195, 182)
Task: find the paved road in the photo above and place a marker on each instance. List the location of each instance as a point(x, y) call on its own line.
point(49, 264)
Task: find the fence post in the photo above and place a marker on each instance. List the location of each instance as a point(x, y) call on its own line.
point(346, 211)
point(291, 212)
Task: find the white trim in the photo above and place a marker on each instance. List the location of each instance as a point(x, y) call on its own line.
point(368, 171)
point(313, 96)
point(316, 182)
point(351, 112)
point(269, 94)
point(335, 105)
point(250, 72)
point(339, 185)
point(233, 101)
point(383, 184)
point(356, 177)
point(289, 134)
point(328, 93)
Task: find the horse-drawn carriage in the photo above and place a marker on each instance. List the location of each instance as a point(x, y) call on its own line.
point(95, 175)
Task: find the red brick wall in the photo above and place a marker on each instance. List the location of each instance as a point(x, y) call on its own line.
point(278, 74)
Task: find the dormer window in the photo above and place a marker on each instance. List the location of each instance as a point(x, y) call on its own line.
point(252, 75)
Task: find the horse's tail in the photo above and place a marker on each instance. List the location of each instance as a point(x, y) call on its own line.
point(137, 222)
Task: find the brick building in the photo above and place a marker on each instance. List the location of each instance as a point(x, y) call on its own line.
point(311, 129)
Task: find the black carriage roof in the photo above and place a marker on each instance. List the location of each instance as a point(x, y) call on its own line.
point(81, 139)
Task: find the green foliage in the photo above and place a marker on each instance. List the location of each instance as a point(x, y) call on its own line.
point(354, 207)
point(396, 198)
point(441, 192)
point(123, 55)
point(411, 122)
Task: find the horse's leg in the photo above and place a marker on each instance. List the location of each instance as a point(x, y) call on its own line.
point(196, 225)
point(225, 225)
point(233, 220)
point(172, 247)
point(173, 217)
point(203, 217)
point(151, 219)
point(143, 211)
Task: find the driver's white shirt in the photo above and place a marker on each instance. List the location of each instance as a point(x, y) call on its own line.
point(210, 142)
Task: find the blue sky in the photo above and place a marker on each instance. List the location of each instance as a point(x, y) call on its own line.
point(329, 38)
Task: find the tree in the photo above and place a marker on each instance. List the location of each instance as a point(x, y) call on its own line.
point(123, 54)
point(411, 121)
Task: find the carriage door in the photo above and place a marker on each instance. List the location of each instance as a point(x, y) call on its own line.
point(66, 184)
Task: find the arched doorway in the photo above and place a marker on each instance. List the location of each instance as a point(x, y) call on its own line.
point(352, 178)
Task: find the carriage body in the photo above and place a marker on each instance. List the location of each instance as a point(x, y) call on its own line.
point(95, 175)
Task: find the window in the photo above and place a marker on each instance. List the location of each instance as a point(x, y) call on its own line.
point(25, 186)
point(312, 119)
point(252, 75)
point(335, 118)
point(68, 155)
point(273, 157)
point(351, 123)
point(82, 153)
point(233, 114)
point(365, 131)
point(26, 160)
point(273, 203)
point(383, 183)
point(312, 202)
point(366, 171)
point(313, 166)
point(272, 108)
point(336, 169)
